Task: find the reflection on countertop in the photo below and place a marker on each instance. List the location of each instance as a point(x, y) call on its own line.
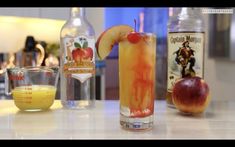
point(102, 122)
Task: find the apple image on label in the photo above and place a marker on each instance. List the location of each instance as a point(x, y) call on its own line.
point(77, 54)
point(88, 53)
point(191, 95)
point(82, 52)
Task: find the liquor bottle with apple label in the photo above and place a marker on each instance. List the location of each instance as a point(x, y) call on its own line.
point(186, 43)
point(77, 72)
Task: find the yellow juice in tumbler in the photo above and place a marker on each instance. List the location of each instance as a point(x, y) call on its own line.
point(137, 76)
point(35, 97)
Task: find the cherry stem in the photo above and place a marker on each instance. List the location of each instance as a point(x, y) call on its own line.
point(135, 24)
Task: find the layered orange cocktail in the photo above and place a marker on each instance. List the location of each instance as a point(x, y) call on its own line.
point(137, 61)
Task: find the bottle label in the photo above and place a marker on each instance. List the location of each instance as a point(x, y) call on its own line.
point(79, 57)
point(185, 56)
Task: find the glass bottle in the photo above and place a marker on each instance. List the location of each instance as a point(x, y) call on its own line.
point(77, 62)
point(186, 43)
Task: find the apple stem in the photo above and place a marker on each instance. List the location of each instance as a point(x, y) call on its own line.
point(135, 24)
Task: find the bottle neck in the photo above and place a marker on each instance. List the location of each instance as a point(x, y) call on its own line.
point(185, 13)
point(77, 12)
point(189, 13)
point(185, 19)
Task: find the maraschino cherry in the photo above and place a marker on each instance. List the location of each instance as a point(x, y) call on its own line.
point(134, 36)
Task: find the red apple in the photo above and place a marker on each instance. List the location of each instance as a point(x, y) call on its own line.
point(88, 53)
point(74, 54)
point(191, 95)
point(77, 54)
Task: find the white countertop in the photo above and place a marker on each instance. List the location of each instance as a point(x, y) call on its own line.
point(102, 122)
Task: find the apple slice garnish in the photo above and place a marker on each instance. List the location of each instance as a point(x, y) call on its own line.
point(109, 38)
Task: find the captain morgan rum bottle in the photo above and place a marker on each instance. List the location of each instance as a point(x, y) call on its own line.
point(77, 72)
point(186, 41)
